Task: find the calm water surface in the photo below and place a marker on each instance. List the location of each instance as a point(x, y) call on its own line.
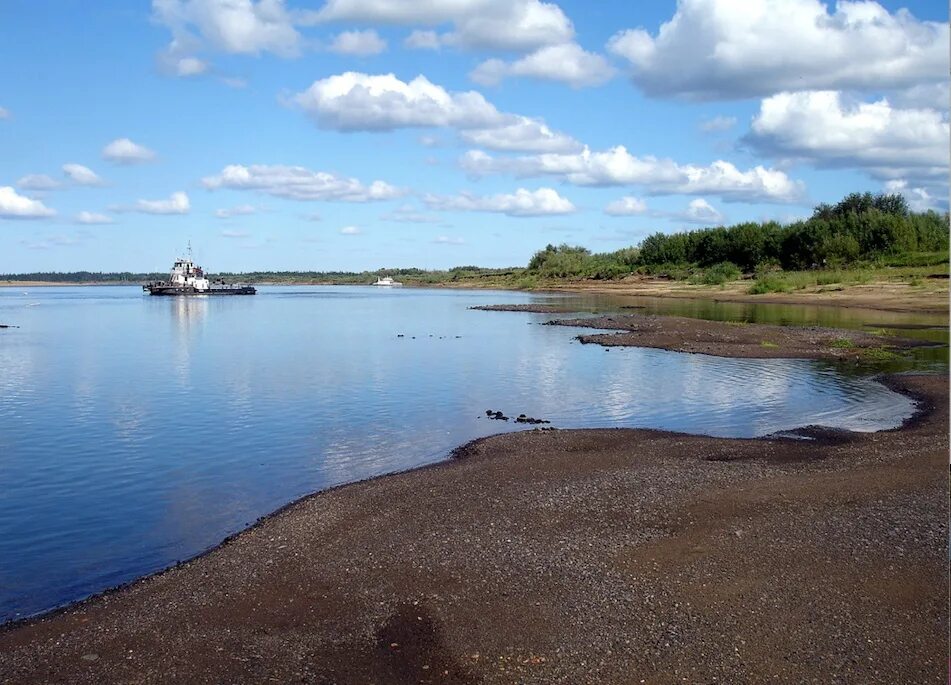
point(138, 431)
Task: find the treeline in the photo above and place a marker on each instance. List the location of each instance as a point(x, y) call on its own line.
point(859, 229)
point(84, 277)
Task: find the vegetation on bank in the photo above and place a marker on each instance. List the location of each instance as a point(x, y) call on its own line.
point(862, 238)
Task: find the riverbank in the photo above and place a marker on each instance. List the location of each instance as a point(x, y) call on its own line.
point(560, 556)
point(724, 338)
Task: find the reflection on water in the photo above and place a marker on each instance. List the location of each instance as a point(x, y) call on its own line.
point(136, 431)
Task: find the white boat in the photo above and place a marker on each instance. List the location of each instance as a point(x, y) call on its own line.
point(387, 282)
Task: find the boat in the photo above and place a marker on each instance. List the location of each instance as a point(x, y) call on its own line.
point(187, 279)
point(387, 282)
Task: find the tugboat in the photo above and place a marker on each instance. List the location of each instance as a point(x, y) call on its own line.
point(187, 278)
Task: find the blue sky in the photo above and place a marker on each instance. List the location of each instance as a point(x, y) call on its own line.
point(359, 134)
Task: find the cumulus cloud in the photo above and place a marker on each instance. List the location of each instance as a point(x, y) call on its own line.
point(81, 175)
point(522, 134)
point(299, 183)
point(508, 25)
point(521, 203)
point(448, 240)
point(233, 26)
point(919, 198)
point(350, 230)
point(618, 167)
point(15, 206)
point(358, 43)
point(124, 151)
point(566, 63)
point(240, 210)
point(717, 124)
point(723, 50)
point(423, 40)
point(699, 211)
point(825, 129)
point(177, 203)
point(190, 66)
point(4, 113)
point(626, 206)
point(38, 182)
point(92, 218)
point(354, 101)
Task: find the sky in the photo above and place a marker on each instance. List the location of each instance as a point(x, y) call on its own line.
point(364, 134)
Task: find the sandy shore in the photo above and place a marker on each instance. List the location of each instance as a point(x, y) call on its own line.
point(584, 556)
point(931, 297)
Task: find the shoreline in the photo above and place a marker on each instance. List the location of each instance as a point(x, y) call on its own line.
point(882, 296)
point(253, 547)
point(723, 338)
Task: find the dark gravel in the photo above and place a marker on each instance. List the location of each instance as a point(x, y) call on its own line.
point(583, 556)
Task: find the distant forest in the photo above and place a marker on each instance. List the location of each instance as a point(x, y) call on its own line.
point(861, 230)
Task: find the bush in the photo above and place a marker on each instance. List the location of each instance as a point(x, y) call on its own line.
point(720, 274)
point(769, 283)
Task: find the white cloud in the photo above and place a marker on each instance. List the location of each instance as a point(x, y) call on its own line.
point(423, 40)
point(177, 203)
point(361, 102)
point(717, 124)
point(825, 129)
point(411, 215)
point(448, 240)
point(501, 24)
point(566, 63)
point(229, 233)
point(81, 175)
point(350, 230)
point(358, 43)
point(38, 182)
point(353, 101)
point(541, 202)
point(14, 206)
point(919, 199)
point(190, 66)
point(124, 151)
point(232, 26)
point(5, 113)
point(626, 206)
point(617, 167)
point(925, 96)
point(699, 211)
point(299, 183)
point(521, 135)
point(712, 49)
point(234, 82)
point(92, 218)
point(240, 210)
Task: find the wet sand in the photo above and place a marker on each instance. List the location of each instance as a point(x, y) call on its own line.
point(583, 556)
point(722, 338)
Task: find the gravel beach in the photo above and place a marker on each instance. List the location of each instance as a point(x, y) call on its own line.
point(722, 338)
point(583, 556)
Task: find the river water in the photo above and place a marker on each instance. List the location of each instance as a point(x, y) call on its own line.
point(138, 431)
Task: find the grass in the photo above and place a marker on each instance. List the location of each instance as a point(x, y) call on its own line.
point(842, 344)
point(767, 343)
point(879, 354)
point(837, 279)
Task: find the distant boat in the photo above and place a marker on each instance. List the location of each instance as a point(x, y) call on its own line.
point(187, 278)
point(387, 282)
